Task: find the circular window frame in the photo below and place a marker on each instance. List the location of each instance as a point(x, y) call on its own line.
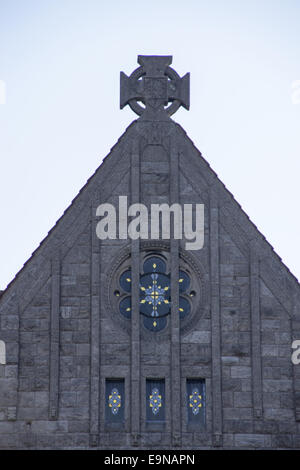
point(198, 287)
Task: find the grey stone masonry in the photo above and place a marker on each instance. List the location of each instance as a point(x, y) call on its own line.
point(63, 338)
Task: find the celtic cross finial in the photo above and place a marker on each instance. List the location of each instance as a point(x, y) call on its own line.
point(157, 86)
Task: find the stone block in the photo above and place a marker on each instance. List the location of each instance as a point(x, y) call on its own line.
point(270, 324)
point(238, 426)
point(283, 441)
point(26, 399)
point(200, 439)
point(8, 390)
point(195, 353)
point(265, 427)
point(242, 399)
point(240, 372)
point(81, 440)
point(79, 384)
point(237, 413)
point(81, 336)
point(270, 385)
point(115, 354)
point(246, 385)
point(287, 400)
point(278, 414)
point(296, 441)
point(7, 427)
point(9, 441)
point(67, 367)
point(198, 337)
point(10, 371)
point(68, 399)
point(227, 399)
point(271, 399)
point(82, 371)
point(228, 440)
point(270, 350)
point(230, 360)
point(41, 383)
point(10, 322)
point(83, 349)
point(79, 426)
point(282, 337)
point(41, 398)
point(231, 384)
point(74, 413)
point(250, 441)
point(286, 427)
point(235, 348)
point(226, 270)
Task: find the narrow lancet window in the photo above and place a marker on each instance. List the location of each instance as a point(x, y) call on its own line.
point(114, 402)
point(155, 400)
point(195, 398)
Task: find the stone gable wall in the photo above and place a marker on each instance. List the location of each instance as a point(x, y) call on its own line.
point(62, 339)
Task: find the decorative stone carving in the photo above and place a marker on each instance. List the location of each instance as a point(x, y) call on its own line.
point(155, 84)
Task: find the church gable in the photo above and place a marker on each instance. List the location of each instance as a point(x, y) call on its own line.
point(131, 341)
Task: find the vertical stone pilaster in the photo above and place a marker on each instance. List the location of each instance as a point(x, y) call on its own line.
point(12, 410)
point(135, 404)
point(54, 338)
point(175, 325)
point(255, 332)
point(95, 328)
point(215, 320)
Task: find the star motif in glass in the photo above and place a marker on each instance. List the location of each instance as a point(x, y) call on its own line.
point(155, 401)
point(195, 401)
point(155, 295)
point(114, 401)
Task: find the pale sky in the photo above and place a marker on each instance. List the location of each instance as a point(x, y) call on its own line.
point(59, 113)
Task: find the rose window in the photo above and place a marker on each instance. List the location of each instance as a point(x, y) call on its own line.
point(155, 293)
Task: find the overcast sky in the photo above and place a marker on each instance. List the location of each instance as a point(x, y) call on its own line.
point(59, 104)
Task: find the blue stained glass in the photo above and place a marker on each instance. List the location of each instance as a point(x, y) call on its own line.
point(195, 390)
point(184, 307)
point(155, 295)
point(125, 280)
point(195, 401)
point(154, 264)
point(184, 281)
point(125, 307)
point(155, 401)
point(114, 403)
point(155, 324)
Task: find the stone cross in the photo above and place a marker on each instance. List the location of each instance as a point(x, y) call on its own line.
point(155, 85)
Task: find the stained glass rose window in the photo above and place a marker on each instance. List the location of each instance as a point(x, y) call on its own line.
point(155, 293)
